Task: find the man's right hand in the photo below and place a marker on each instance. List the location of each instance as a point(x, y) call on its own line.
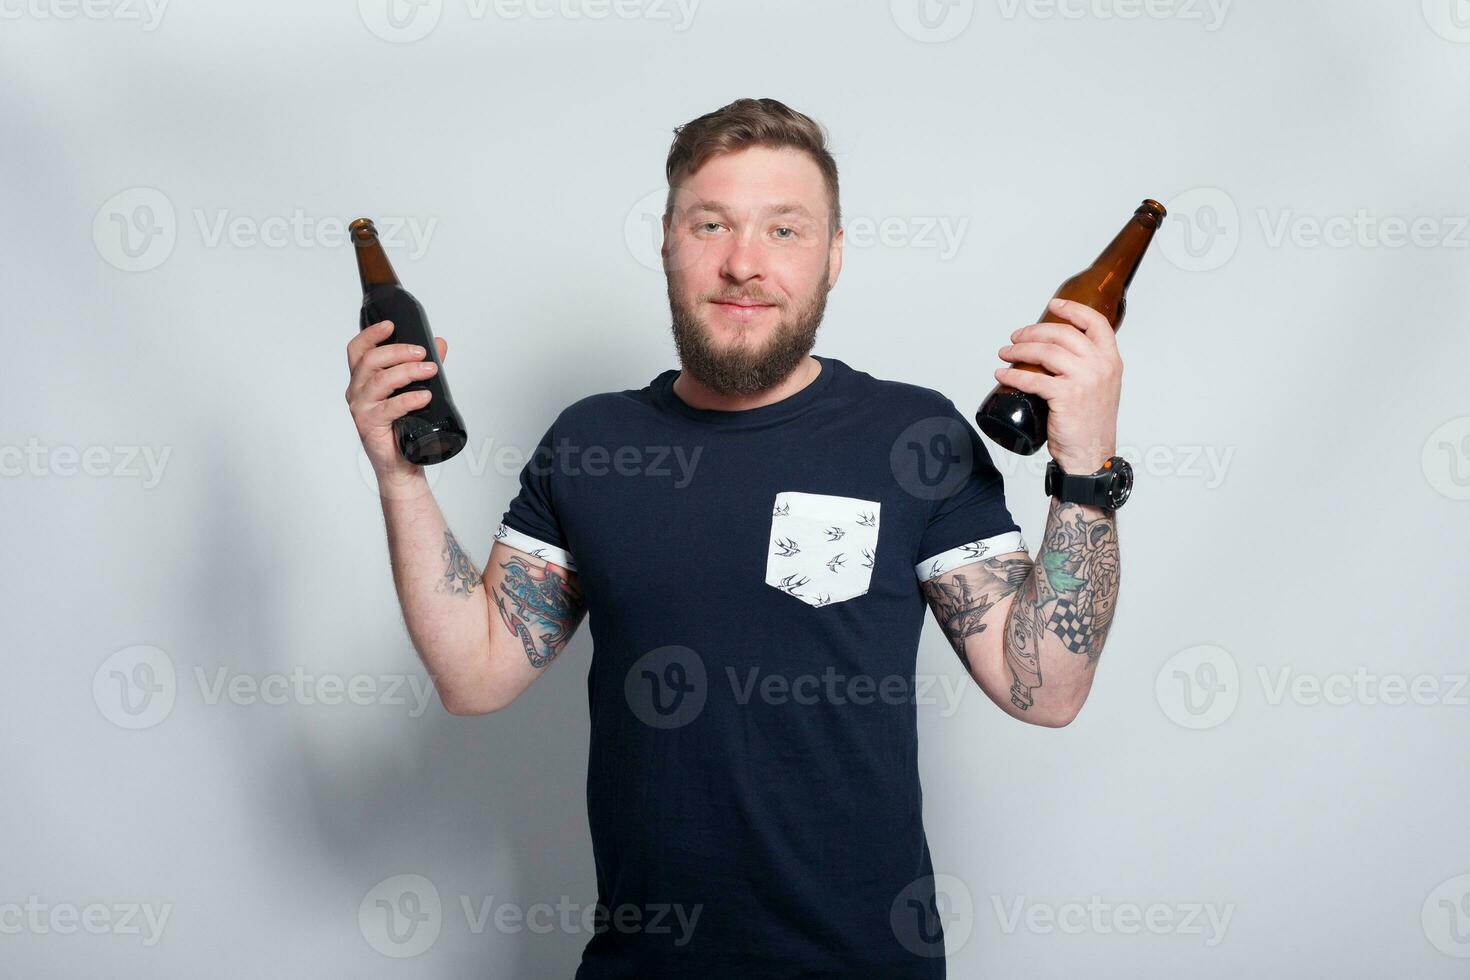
point(377, 372)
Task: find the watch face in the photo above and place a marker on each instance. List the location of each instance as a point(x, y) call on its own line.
point(1122, 484)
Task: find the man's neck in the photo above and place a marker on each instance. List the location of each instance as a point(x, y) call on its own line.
point(695, 394)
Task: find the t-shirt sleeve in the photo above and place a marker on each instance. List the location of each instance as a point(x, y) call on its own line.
point(530, 523)
point(970, 523)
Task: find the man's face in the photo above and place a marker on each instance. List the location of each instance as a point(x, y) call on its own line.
point(749, 263)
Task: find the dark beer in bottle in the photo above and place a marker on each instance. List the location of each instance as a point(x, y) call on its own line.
point(1015, 419)
point(435, 432)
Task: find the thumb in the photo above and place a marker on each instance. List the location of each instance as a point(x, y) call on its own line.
point(443, 346)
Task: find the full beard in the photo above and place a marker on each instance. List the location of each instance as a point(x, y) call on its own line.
point(740, 369)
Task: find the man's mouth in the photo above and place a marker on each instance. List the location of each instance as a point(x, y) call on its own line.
point(741, 309)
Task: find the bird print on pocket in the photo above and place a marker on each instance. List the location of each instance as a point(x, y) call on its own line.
point(822, 576)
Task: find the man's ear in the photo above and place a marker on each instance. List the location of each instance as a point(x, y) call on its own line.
point(663, 249)
point(835, 258)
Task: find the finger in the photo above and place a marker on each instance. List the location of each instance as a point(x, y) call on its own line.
point(1055, 359)
point(1086, 319)
point(389, 355)
point(380, 359)
point(367, 338)
point(381, 384)
point(1028, 381)
point(443, 346)
point(1062, 334)
point(385, 412)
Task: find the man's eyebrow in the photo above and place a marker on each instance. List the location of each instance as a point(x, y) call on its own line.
point(719, 207)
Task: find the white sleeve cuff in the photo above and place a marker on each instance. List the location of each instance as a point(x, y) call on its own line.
point(531, 546)
point(966, 554)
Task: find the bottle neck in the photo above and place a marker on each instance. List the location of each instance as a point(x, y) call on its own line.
point(373, 267)
point(1120, 260)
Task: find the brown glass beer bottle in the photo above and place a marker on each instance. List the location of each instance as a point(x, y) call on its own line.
point(435, 432)
point(1015, 419)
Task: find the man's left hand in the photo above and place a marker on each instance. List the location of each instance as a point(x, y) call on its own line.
point(1082, 389)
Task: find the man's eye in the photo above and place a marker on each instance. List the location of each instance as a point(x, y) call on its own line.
point(791, 230)
point(709, 225)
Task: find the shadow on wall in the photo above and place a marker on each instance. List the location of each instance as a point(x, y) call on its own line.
point(491, 809)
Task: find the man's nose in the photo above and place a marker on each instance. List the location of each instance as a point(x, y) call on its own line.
point(745, 259)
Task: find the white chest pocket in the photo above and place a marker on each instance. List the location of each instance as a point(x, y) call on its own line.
point(822, 547)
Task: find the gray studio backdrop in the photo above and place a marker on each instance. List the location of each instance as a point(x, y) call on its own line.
point(221, 755)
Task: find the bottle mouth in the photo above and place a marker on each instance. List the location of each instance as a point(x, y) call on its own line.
point(1153, 209)
point(362, 229)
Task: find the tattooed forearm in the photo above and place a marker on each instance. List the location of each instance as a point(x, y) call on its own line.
point(540, 606)
point(962, 598)
point(1069, 596)
point(459, 572)
point(1023, 648)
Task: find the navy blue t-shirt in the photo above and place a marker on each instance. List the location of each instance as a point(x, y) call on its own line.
point(752, 581)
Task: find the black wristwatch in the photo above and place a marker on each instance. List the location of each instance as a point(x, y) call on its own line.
point(1108, 488)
